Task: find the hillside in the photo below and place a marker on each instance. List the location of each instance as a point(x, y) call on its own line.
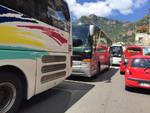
point(117, 30)
point(142, 24)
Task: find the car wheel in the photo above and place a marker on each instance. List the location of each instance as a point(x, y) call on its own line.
point(127, 88)
point(10, 92)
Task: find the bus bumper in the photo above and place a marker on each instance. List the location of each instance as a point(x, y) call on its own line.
point(116, 60)
point(81, 70)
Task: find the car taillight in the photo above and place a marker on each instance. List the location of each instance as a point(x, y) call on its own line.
point(128, 72)
point(87, 60)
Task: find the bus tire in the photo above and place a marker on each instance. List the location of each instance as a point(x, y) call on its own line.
point(11, 92)
point(98, 68)
point(108, 66)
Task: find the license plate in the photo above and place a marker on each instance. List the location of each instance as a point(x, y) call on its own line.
point(76, 63)
point(145, 84)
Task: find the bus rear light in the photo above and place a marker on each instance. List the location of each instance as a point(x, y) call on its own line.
point(87, 60)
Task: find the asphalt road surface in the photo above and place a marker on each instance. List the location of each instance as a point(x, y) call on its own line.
point(103, 93)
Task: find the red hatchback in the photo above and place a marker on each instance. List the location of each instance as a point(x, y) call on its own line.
point(137, 73)
point(130, 51)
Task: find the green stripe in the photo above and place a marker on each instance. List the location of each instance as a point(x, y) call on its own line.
point(21, 54)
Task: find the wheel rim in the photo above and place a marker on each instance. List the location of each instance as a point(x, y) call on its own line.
point(7, 96)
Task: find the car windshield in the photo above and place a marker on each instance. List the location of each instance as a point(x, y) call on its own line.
point(141, 62)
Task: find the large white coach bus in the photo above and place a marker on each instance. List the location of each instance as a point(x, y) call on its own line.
point(116, 52)
point(35, 49)
point(90, 50)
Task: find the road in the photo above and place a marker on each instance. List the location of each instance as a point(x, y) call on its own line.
point(103, 93)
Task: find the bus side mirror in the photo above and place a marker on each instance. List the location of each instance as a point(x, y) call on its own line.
point(91, 30)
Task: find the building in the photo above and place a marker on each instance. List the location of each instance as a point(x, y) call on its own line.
point(142, 39)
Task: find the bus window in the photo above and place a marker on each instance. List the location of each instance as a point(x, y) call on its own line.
point(103, 39)
point(53, 12)
point(60, 16)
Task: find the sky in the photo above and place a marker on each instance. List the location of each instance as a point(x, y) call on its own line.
point(126, 10)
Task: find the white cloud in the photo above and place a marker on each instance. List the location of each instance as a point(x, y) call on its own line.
point(123, 6)
point(104, 8)
point(139, 3)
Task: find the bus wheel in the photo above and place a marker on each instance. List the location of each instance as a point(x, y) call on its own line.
point(10, 92)
point(98, 68)
point(108, 65)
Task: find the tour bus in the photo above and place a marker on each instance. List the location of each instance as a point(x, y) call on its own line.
point(35, 49)
point(116, 52)
point(90, 50)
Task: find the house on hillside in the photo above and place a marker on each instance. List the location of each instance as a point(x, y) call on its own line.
point(142, 39)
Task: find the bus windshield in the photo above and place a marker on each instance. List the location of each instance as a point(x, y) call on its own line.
point(80, 35)
point(116, 51)
point(81, 42)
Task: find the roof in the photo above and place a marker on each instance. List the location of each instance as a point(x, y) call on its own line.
point(140, 56)
point(134, 46)
point(116, 45)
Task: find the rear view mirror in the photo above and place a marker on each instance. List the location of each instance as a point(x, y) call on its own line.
point(125, 62)
point(91, 30)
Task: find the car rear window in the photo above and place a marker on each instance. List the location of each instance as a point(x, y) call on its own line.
point(134, 50)
point(141, 63)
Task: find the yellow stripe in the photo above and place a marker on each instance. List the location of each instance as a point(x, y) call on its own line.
point(14, 35)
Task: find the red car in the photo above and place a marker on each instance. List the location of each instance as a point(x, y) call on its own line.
point(137, 73)
point(130, 51)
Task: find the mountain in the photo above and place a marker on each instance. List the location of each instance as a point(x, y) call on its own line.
point(118, 31)
point(143, 21)
point(142, 25)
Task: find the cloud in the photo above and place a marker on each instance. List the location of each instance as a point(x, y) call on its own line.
point(104, 8)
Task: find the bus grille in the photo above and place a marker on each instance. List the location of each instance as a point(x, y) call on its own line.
point(50, 59)
point(51, 68)
point(54, 67)
point(51, 77)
